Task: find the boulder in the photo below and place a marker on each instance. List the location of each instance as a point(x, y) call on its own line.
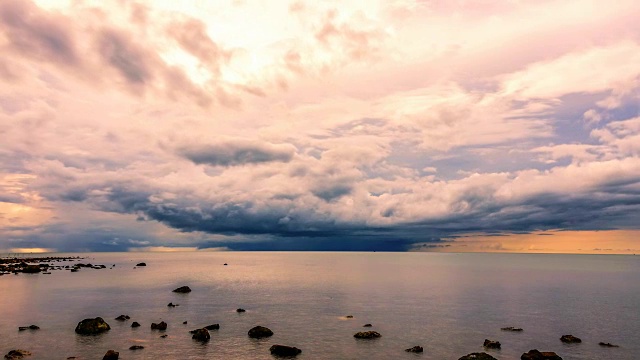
point(607, 344)
point(511, 328)
point(31, 269)
point(172, 304)
point(538, 355)
point(161, 326)
point(260, 332)
point(201, 335)
point(477, 356)
point(213, 327)
point(490, 344)
point(111, 355)
point(240, 310)
point(367, 335)
point(92, 326)
point(17, 354)
point(570, 339)
point(367, 325)
point(182, 290)
point(135, 324)
point(136, 347)
point(185, 322)
point(123, 317)
point(141, 264)
point(283, 350)
point(415, 349)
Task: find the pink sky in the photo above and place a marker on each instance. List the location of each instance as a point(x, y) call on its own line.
point(377, 125)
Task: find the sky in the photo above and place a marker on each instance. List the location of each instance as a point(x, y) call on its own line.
point(392, 125)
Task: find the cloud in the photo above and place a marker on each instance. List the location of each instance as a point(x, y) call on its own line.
point(237, 152)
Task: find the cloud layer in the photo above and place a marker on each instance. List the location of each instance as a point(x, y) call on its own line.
point(295, 125)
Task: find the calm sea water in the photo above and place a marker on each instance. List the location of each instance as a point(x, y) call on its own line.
point(447, 303)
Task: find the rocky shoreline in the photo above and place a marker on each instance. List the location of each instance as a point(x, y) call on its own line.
point(44, 265)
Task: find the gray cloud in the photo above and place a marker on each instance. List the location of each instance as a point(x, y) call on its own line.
point(124, 55)
point(237, 152)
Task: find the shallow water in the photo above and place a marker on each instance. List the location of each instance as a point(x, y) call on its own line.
point(447, 303)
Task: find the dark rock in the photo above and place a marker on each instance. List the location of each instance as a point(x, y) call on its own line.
point(477, 356)
point(367, 335)
point(17, 354)
point(260, 332)
point(184, 323)
point(607, 344)
point(135, 324)
point(161, 326)
point(74, 270)
point(201, 335)
point(123, 317)
point(136, 347)
point(349, 316)
point(511, 328)
point(367, 325)
point(183, 290)
point(164, 336)
point(141, 264)
point(537, 355)
point(30, 327)
point(415, 349)
point(225, 264)
point(240, 310)
point(490, 344)
point(570, 339)
point(172, 304)
point(111, 355)
point(92, 326)
point(283, 350)
point(31, 269)
point(213, 327)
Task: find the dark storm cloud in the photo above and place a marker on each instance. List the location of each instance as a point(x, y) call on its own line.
point(237, 153)
point(329, 193)
point(36, 33)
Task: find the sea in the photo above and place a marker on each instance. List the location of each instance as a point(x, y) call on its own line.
point(448, 303)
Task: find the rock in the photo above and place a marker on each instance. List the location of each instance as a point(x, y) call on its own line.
point(259, 332)
point(135, 324)
point(123, 317)
point(607, 344)
point(349, 316)
point(136, 347)
point(141, 264)
point(213, 327)
point(161, 326)
point(511, 328)
point(283, 350)
point(31, 269)
point(182, 290)
point(415, 349)
point(367, 335)
point(201, 335)
point(92, 326)
point(17, 354)
point(164, 336)
point(477, 356)
point(225, 264)
point(490, 344)
point(111, 355)
point(537, 355)
point(367, 325)
point(240, 310)
point(172, 304)
point(570, 339)
point(184, 323)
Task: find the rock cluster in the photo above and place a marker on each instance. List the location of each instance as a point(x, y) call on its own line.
point(367, 335)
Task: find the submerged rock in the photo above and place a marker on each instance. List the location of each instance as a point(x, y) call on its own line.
point(490, 344)
point(367, 335)
point(123, 317)
point(213, 327)
point(478, 356)
point(349, 316)
point(30, 327)
point(241, 310)
point(136, 347)
point(415, 349)
point(135, 324)
point(570, 339)
point(367, 325)
point(141, 264)
point(283, 350)
point(607, 344)
point(161, 326)
point(537, 355)
point(182, 290)
point(92, 326)
point(111, 355)
point(31, 269)
point(172, 304)
point(17, 354)
point(201, 335)
point(260, 332)
point(511, 328)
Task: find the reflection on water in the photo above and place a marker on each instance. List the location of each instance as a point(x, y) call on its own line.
point(447, 303)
